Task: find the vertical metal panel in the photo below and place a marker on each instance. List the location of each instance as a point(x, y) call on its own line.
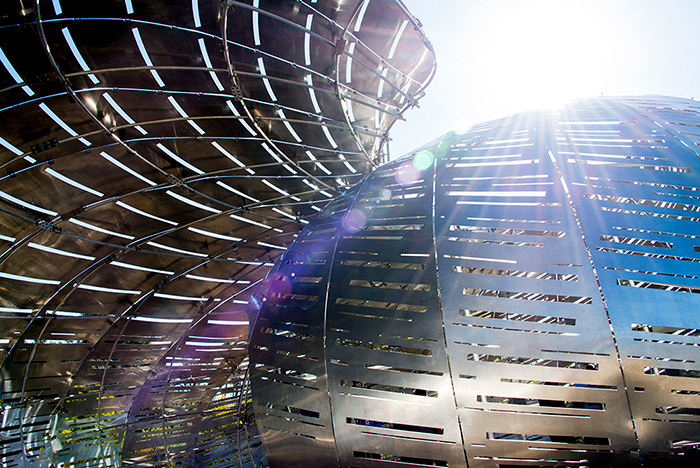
point(534, 365)
point(289, 378)
point(388, 374)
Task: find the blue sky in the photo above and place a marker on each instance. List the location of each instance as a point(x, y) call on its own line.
point(497, 57)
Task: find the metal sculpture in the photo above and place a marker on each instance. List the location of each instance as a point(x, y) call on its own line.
point(156, 158)
point(523, 294)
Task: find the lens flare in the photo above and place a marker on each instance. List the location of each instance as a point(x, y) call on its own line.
point(354, 221)
point(423, 160)
point(407, 174)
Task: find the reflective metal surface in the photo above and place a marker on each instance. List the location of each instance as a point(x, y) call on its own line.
point(157, 157)
point(522, 294)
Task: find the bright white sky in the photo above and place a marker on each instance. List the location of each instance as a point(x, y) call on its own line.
point(497, 57)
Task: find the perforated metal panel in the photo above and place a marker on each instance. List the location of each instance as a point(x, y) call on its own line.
point(494, 300)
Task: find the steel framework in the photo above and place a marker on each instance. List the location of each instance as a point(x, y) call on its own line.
point(156, 157)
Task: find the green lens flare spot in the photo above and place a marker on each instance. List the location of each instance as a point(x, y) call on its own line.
point(423, 160)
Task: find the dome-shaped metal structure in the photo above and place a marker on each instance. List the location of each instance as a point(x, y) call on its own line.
point(523, 294)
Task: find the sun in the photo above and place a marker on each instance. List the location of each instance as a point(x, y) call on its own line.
point(540, 54)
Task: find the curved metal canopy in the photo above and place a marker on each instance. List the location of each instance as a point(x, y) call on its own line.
point(157, 157)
